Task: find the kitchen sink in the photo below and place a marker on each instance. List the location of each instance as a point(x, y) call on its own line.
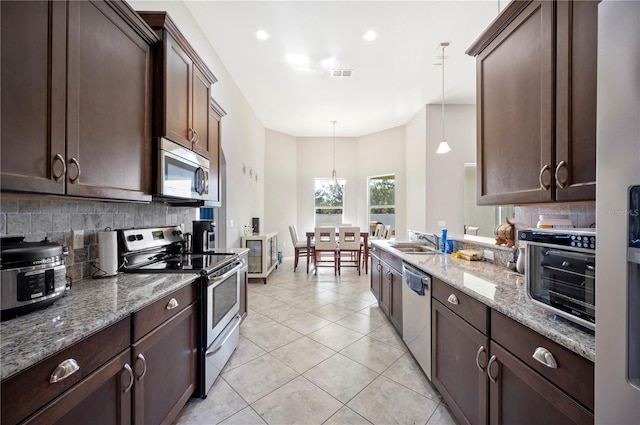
point(413, 248)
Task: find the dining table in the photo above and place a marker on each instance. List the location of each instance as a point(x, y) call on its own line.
point(365, 241)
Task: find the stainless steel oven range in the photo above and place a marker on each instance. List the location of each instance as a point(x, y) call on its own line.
point(561, 272)
point(162, 250)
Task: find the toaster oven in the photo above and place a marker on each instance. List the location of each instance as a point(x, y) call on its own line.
point(560, 272)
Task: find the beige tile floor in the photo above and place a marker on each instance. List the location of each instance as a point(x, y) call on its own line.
point(318, 350)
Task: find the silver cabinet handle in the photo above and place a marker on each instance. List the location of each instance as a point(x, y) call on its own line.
point(173, 303)
point(193, 135)
point(196, 137)
point(77, 164)
point(130, 372)
point(542, 170)
point(545, 357)
point(60, 158)
point(480, 350)
point(453, 299)
point(144, 364)
point(492, 360)
point(64, 370)
point(560, 165)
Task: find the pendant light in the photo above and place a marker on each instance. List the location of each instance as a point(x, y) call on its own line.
point(443, 147)
point(334, 173)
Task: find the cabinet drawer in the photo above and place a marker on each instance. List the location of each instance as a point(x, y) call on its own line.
point(391, 259)
point(162, 310)
point(574, 373)
point(471, 310)
point(29, 390)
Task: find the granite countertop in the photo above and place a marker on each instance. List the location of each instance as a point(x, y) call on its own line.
point(502, 290)
point(89, 306)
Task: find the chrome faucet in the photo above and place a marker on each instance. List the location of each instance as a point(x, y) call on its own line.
point(430, 238)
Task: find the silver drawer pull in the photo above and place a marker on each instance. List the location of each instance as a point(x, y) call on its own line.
point(545, 357)
point(453, 299)
point(173, 303)
point(492, 360)
point(64, 370)
point(130, 372)
point(144, 366)
point(480, 351)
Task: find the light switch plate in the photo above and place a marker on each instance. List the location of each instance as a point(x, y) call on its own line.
point(442, 223)
point(78, 239)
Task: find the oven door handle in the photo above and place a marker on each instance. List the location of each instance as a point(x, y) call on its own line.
point(229, 330)
point(216, 279)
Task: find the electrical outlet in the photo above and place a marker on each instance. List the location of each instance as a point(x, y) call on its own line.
point(78, 239)
point(488, 255)
point(442, 223)
point(230, 223)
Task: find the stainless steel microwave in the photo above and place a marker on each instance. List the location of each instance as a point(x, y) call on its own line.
point(561, 272)
point(181, 173)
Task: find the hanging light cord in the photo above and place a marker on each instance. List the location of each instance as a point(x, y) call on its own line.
point(443, 139)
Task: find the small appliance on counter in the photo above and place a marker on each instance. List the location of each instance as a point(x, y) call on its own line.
point(33, 275)
point(560, 272)
point(204, 236)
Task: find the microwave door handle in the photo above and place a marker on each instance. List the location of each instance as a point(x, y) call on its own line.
point(199, 180)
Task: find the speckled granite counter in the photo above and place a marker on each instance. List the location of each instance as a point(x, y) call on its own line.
point(89, 306)
point(502, 290)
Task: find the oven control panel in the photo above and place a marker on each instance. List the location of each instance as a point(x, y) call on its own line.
point(157, 237)
point(576, 238)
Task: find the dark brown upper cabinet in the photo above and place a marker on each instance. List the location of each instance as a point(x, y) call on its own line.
point(215, 120)
point(76, 99)
point(536, 99)
point(182, 88)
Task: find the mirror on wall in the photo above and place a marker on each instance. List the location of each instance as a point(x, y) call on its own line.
point(480, 220)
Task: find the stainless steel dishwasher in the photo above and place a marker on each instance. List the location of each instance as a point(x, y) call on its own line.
point(416, 315)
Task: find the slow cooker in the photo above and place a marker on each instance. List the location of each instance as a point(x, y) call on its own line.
point(33, 275)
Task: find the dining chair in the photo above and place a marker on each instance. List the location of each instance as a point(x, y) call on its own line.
point(325, 252)
point(387, 232)
point(299, 246)
point(349, 244)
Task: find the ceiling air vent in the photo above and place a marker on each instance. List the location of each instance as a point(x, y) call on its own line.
point(341, 72)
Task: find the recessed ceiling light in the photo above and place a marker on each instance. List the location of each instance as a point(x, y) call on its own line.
point(262, 35)
point(370, 35)
point(297, 59)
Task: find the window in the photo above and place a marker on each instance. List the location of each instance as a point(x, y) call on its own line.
point(329, 201)
point(382, 199)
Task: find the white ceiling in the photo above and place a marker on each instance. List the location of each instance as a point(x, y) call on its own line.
point(393, 78)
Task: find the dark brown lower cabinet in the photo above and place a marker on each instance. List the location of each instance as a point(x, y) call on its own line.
point(165, 369)
point(244, 294)
point(519, 395)
point(104, 397)
point(386, 285)
point(458, 348)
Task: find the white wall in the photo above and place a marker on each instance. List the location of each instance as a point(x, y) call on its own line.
point(444, 190)
point(243, 135)
point(618, 167)
point(383, 153)
point(416, 171)
point(315, 159)
point(281, 169)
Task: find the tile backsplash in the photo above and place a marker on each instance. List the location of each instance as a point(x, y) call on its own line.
point(581, 214)
point(37, 218)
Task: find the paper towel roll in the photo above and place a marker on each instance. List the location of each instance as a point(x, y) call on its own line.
point(108, 252)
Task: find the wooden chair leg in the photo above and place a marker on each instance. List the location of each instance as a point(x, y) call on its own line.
point(295, 261)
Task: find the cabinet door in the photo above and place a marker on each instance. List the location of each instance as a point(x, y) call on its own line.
point(165, 369)
point(376, 276)
point(244, 295)
point(576, 87)
point(214, 157)
point(515, 110)
point(520, 395)
point(395, 312)
point(456, 347)
point(104, 397)
point(178, 90)
point(200, 115)
point(33, 96)
point(108, 105)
